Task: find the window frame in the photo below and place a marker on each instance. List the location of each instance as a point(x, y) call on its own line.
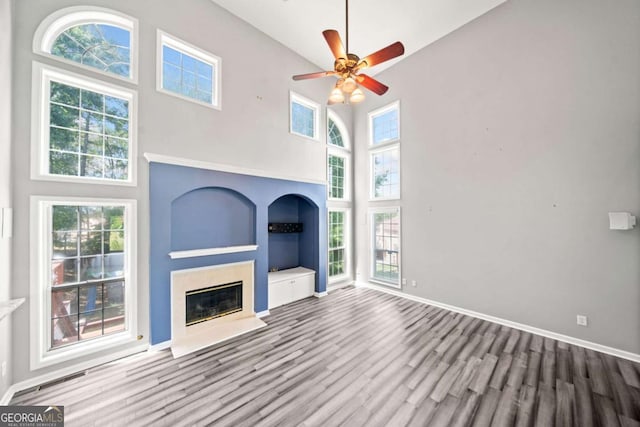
point(163, 38)
point(61, 20)
point(346, 180)
point(347, 244)
point(306, 102)
point(41, 355)
point(395, 105)
point(372, 190)
point(372, 246)
point(40, 110)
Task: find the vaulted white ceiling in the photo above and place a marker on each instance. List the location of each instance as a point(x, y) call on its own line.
point(373, 24)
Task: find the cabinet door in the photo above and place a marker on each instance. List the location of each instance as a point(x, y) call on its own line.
point(303, 287)
point(279, 293)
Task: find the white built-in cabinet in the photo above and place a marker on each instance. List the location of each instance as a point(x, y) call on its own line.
point(290, 285)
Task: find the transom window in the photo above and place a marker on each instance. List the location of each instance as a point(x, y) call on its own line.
point(384, 124)
point(86, 130)
point(335, 136)
point(385, 245)
point(304, 116)
point(338, 243)
point(93, 37)
point(188, 72)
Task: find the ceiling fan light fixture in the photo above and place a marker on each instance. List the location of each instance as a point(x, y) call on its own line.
point(356, 96)
point(349, 85)
point(336, 96)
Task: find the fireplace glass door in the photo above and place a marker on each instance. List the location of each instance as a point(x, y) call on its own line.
point(212, 302)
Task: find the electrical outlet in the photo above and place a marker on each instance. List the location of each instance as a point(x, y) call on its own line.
point(582, 320)
point(4, 369)
point(404, 281)
point(414, 283)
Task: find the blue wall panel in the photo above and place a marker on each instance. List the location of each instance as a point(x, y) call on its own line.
point(169, 182)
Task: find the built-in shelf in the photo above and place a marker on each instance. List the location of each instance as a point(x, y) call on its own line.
point(7, 307)
point(193, 253)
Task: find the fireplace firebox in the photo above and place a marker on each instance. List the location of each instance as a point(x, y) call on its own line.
point(212, 302)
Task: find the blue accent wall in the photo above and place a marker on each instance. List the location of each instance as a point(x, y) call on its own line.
point(181, 220)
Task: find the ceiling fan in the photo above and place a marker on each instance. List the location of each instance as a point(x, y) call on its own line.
point(347, 67)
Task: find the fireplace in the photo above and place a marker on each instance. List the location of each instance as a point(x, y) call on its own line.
point(212, 302)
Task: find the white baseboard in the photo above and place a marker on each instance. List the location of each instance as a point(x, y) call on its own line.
point(543, 332)
point(320, 294)
point(160, 346)
point(70, 370)
point(262, 314)
point(339, 285)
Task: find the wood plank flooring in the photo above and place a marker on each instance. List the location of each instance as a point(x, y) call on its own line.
point(359, 358)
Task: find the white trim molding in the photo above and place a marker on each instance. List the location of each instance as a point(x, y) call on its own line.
point(264, 313)
point(61, 20)
point(623, 354)
point(320, 294)
point(137, 351)
point(164, 345)
point(201, 164)
point(193, 253)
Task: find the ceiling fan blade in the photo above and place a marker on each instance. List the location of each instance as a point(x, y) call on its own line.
point(372, 84)
point(385, 54)
point(335, 43)
point(313, 75)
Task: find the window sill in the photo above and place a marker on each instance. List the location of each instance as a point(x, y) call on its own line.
point(8, 307)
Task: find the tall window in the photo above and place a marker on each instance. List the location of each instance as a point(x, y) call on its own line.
point(338, 242)
point(304, 116)
point(83, 287)
point(384, 143)
point(339, 202)
point(83, 262)
point(187, 71)
point(385, 245)
point(85, 128)
point(100, 39)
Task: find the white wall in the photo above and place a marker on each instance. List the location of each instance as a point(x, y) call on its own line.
point(520, 131)
point(5, 181)
point(250, 131)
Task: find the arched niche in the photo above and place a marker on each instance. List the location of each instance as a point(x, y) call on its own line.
point(212, 217)
point(288, 250)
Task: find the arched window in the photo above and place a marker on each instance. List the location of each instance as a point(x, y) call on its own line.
point(339, 200)
point(96, 38)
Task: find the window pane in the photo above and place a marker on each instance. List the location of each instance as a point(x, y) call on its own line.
point(91, 268)
point(64, 330)
point(99, 116)
point(114, 294)
point(386, 250)
point(336, 175)
point(90, 298)
point(186, 75)
point(102, 46)
point(385, 127)
point(87, 245)
point(302, 119)
point(335, 137)
point(386, 174)
point(337, 242)
point(65, 244)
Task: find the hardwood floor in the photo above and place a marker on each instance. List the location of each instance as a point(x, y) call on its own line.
point(359, 358)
